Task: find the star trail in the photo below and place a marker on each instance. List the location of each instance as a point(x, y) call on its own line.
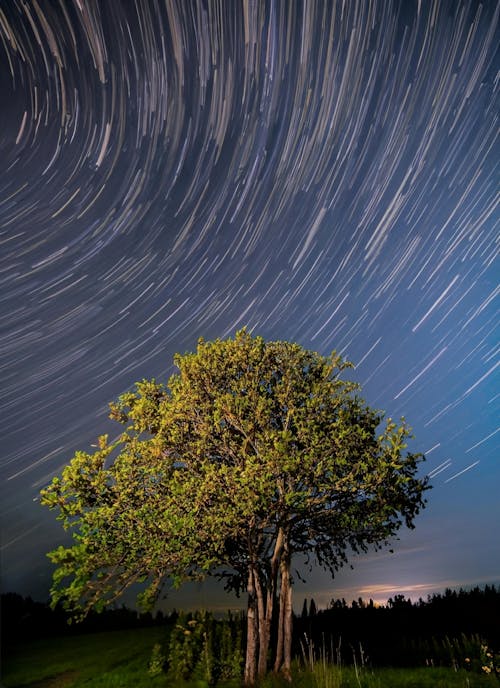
point(319, 171)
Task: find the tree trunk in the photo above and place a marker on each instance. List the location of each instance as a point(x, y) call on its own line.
point(266, 601)
point(283, 660)
point(279, 643)
point(288, 626)
point(261, 599)
point(250, 674)
point(263, 628)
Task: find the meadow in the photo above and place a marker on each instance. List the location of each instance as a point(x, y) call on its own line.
point(121, 659)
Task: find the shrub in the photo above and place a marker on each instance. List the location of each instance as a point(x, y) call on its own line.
point(157, 661)
point(205, 649)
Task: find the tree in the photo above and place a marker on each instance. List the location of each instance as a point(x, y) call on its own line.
point(253, 453)
point(305, 613)
point(312, 608)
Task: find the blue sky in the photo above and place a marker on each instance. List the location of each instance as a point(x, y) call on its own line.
point(317, 172)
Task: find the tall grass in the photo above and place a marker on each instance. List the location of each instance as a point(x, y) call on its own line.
point(452, 663)
point(333, 676)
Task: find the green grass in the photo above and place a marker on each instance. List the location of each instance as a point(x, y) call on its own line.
point(119, 659)
point(348, 677)
point(115, 658)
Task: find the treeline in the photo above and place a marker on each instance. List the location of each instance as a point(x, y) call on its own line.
point(428, 631)
point(401, 632)
point(25, 619)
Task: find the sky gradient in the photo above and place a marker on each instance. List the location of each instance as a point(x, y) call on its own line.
point(322, 172)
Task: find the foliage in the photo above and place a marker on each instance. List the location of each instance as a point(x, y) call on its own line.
point(254, 452)
point(489, 661)
point(157, 661)
point(204, 648)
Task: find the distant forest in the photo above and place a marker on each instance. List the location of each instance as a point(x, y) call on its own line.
point(386, 634)
point(402, 629)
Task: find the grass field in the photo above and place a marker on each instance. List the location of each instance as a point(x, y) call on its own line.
point(119, 659)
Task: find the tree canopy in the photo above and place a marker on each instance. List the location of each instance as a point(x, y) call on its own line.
point(252, 453)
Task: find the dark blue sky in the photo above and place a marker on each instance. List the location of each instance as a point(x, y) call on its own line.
point(323, 172)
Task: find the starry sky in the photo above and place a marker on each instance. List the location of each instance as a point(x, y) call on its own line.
point(319, 171)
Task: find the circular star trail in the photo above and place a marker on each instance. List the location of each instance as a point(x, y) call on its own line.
point(324, 172)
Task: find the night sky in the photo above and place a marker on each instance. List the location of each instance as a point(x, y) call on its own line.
point(323, 172)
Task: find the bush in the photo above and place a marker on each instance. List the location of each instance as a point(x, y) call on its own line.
point(205, 649)
point(157, 661)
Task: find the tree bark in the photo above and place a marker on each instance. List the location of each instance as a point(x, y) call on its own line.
point(279, 643)
point(283, 660)
point(267, 606)
point(264, 635)
point(250, 674)
point(287, 625)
